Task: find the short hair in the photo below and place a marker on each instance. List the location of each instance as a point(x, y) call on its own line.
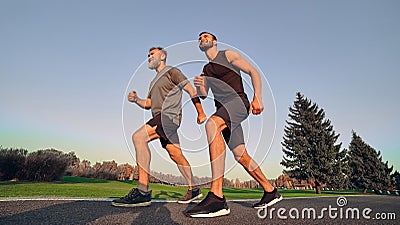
point(206, 32)
point(161, 49)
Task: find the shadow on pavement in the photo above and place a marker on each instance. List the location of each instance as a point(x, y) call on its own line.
point(83, 212)
point(164, 195)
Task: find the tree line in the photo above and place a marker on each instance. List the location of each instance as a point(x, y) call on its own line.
point(51, 165)
point(311, 153)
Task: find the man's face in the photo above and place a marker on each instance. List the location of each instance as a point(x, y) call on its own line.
point(205, 42)
point(154, 59)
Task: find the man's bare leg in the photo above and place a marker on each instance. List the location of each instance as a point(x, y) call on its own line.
point(140, 140)
point(251, 167)
point(176, 155)
point(217, 150)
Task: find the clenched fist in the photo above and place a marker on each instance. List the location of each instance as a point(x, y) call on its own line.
point(199, 81)
point(132, 96)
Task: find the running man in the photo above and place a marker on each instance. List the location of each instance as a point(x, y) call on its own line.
point(165, 101)
point(222, 76)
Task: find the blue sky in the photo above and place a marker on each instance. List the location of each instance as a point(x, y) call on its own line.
point(65, 67)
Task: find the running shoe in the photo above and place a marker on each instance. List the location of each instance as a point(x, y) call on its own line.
point(211, 206)
point(190, 196)
point(133, 199)
point(268, 199)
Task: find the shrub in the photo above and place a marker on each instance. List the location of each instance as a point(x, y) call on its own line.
point(106, 170)
point(46, 165)
point(12, 163)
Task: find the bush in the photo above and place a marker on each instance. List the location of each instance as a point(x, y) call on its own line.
point(106, 170)
point(12, 163)
point(46, 165)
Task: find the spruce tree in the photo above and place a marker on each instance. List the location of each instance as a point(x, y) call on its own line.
point(367, 168)
point(396, 177)
point(309, 146)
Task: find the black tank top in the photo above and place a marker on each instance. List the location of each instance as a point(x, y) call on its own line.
point(224, 80)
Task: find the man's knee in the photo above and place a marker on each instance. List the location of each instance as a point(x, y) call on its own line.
point(135, 137)
point(175, 153)
point(210, 125)
point(215, 124)
point(244, 158)
point(138, 137)
point(144, 134)
point(241, 155)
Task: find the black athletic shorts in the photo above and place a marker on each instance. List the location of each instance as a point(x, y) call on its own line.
point(233, 113)
point(166, 129)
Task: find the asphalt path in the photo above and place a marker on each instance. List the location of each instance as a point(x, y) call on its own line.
point(328, 210)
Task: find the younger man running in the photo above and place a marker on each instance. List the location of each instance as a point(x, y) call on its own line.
point(222, 76)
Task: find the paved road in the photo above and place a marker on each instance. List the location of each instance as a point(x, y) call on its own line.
point(101, 212)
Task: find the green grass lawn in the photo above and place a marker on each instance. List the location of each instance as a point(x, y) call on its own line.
point(87, 187)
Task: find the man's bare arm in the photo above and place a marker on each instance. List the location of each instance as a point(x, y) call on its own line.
point(201, 116)
point(201, 85)
point(237, 60)
point(143, 103)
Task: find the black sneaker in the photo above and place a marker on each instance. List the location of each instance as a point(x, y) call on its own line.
point(211, 206)
point(190, 196)
point(268, 199)
point(133, 198)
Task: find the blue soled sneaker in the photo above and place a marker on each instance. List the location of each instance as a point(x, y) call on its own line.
point(133, 199)
point(190, 196)
point(211, 206)
point(268, 199)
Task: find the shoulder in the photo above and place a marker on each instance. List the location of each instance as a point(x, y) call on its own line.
point(232, 55)
point(176, 75)
point(174, 70)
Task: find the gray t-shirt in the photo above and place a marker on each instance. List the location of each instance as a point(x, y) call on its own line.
point(165, 93)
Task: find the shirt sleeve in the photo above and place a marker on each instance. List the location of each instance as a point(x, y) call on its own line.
point(149, 93)
point(178, 78)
